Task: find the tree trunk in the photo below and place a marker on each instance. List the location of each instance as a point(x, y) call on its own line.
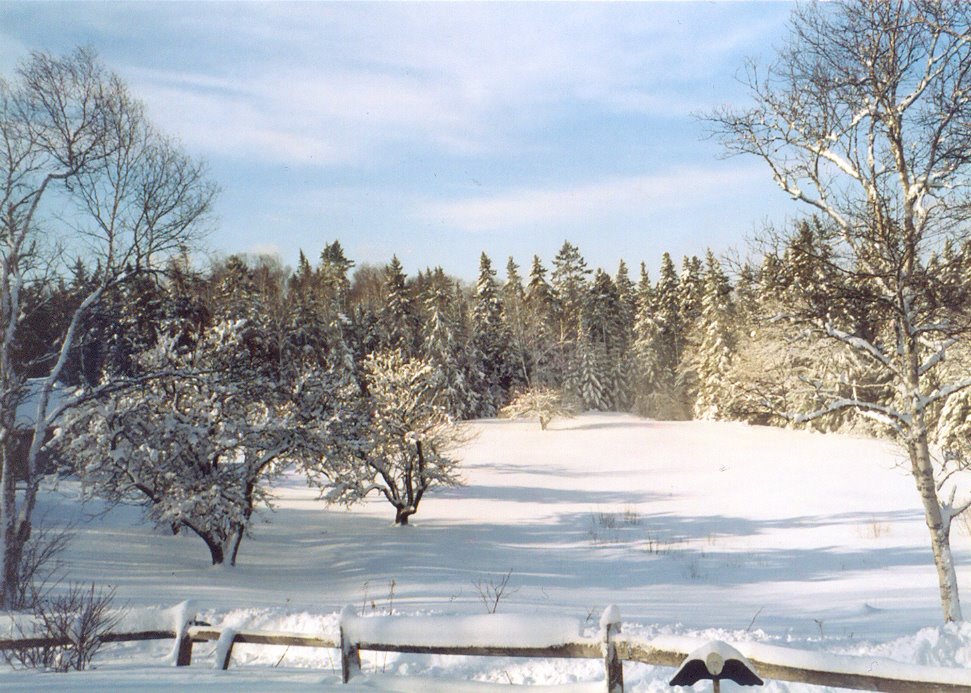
point(402, 514)
point(8, 508)
point(15, 533)
point(939, 528)
point(922, 468)
point(217, 552)
point(237, 540)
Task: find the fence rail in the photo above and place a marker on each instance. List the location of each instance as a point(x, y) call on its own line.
point(136, 636)
point(776, 663)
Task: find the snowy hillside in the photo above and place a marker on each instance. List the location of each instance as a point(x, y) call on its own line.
point(744, 533)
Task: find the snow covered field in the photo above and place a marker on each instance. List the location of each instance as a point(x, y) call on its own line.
point(691, 528)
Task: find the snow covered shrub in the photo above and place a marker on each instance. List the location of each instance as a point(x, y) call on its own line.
point(400, 442)
point(197, 443)
point(539, 402)
point(72, 623)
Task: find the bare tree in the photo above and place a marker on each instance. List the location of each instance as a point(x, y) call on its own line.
point(865, 117)
point(82, 175)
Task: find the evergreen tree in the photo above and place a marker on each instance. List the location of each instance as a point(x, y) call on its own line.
point(604, 337)
point(334, 280)
point(690, 290)
point(302, 281)
point(569, 283)
point(660, 347)
point(514, 315)
point(446, 345)
point(252, 299)
point(627, 294)
point(306, 313)
point(397, 318)
point(717, 347)
point(650, 377)
point(667, 315)
point(746, 296)
point(189, 311)
point(540, 337)
point(625, 369)
point(490, 342)
point(589, 380)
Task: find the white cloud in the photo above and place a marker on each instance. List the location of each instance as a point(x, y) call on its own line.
point(335, 84)
point(603, 203)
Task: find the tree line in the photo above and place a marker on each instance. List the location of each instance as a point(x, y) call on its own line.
point(247, 367)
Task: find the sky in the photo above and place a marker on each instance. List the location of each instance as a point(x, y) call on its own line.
point(438, 131)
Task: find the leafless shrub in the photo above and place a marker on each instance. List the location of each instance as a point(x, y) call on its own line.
point(614, 528)
point(66, 629)
point(492, 590)
point(40, 566)
point(874, 529)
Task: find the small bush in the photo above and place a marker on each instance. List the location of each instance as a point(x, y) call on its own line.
point(542, 403)
point(492, 590)
point(71, 625)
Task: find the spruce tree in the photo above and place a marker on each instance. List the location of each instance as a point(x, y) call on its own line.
point(541, 339)
point(589, 376)
point(662, 344)
point(569, 283)
point(647, 352)
point(570, 289)
point(604, 341)
point(334, 280)
point(445, 345)
point(490, 342)
point(514, 315)
point(306, 313)
point(690, 290)
point(397, 318)
point(627, 294)
point(717, 347)
point(624, 375)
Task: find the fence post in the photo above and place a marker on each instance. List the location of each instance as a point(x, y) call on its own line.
point(614, 666)
point(224, 648)
point(350, 653)
point(183, 642)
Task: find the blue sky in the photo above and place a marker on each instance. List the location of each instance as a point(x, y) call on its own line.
point(438, 131)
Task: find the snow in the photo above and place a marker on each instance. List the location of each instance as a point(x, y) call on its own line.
point(869, 665)
point(609, 617)
point(492, 630)
point(27, 407)
point(777, 542)
point(223, 646)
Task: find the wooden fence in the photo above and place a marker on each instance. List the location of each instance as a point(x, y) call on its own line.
point(614, 648)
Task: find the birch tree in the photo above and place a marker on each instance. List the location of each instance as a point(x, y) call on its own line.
point(82, 175)
point(863, 118)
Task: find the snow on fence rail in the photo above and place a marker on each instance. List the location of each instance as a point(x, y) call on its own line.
point(522, 636)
